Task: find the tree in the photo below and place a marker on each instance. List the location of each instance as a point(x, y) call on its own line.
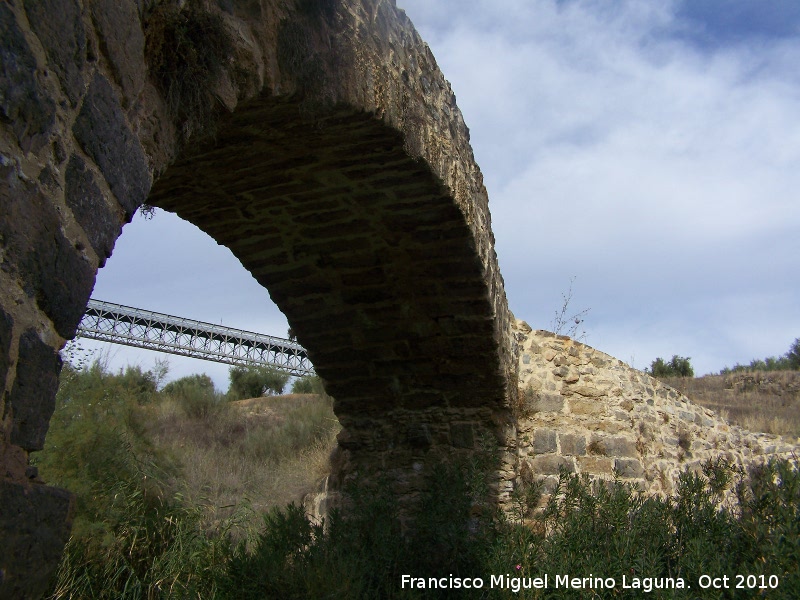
point(678, 366)
point(253, 381)
point(793, 355)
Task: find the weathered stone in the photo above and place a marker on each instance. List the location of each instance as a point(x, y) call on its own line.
point(32, 398)
point(618, 446)
point(596, 465)
point(102, 131)
point(418, 436)
point(586, 391)
point(572, 444)
point(51, 269)
point(35, 522)
point(545, 402)
point(122, 41)
point(582, 406)
point(544, 441)
point(24, 102)
point(628, 467)
point(461, 435)
point(90, 209)
point(63, 39)
point(551, 464)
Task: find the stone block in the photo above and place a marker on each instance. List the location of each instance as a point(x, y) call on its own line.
point(618, 445)
point(583, 406)
point(545, 402)
point(550, 464)
point(418, 436)
point(544, 441)
point(123, 43)
point(90, 209)
point(32, 398)
point(35, 522)
point(6, 330)
point(49, 267)
point(628, 467)
point(24, 103)
point(596, 465)
point(104, 134)
point(572, 444)
point(461, 435)
point(585, 390)
point(63, 39)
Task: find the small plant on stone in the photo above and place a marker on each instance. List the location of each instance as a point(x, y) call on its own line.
point(596, 448)
point(565, 324)
point(187, 49)
point(685, 440)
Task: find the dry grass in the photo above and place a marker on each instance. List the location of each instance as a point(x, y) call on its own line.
point(262, 452)
point(765, 401)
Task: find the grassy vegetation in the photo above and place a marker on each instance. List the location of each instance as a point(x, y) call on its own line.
point(168, 482)
point(183, 494)
point(767, 401)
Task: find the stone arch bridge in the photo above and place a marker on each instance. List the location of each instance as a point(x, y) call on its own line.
point(317, 140)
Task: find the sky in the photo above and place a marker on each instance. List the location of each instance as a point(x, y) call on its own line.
point(645, 153)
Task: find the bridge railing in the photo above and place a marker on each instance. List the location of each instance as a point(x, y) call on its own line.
point(119, 324)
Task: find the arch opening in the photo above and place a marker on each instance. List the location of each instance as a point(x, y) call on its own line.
point(363, 249)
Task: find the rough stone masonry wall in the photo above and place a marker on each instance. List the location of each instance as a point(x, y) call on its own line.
point(588, 412)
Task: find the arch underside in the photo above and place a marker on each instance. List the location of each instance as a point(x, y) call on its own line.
point(373, 263)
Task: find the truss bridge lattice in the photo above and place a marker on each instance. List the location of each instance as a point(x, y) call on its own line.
point(118, 324)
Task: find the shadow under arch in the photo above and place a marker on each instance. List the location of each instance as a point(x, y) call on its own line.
point(364, 250)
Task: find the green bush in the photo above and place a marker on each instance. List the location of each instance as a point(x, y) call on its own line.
point(608, 530)
point(793, 355)
point(310, 384)
point(253, 381)
point(195, 395)
point(133, 535)
point(678, 366)
point(302, 425)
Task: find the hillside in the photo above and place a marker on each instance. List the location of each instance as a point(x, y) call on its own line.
point(266, 451)
point(765, 401)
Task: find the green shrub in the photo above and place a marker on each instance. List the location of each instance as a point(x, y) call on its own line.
point(195, 395)
point(302, 425)
point(253, 381)
point(310, 384)
point(133, 535)
point(678, 366)
point(609, 530)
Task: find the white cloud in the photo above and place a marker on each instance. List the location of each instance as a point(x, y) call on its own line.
point(662, 174)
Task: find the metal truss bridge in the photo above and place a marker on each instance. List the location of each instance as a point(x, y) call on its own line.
point(109, 322)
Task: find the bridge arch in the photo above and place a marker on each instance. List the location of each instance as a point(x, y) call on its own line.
point(338, 171)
